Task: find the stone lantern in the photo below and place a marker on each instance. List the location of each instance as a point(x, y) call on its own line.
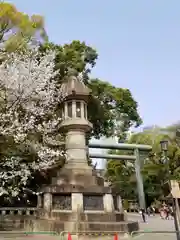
point(75, 122)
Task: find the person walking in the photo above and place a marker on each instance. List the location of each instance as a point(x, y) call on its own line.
point(148, 211)
point(143, 215)
point(171, 212)
point(153, 210)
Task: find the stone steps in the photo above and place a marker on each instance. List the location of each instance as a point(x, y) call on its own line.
point(106, 226)
point(59, 226)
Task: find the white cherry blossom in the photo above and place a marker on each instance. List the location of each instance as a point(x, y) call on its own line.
point(28, 102)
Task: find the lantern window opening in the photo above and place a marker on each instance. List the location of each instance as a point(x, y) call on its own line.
point(85, 111)
point(78, 109)
point(69, 109)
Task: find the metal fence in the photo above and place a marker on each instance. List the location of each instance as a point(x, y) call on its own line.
point(108, 235)
point(154, 235)
point(77, 235)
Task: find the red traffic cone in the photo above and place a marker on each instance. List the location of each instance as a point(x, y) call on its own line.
point(69, 236)
point(115, 236)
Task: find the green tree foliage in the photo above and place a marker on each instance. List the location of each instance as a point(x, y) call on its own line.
point(17, 29)
point(111, 110)
point(122, 176)
point(156, 168)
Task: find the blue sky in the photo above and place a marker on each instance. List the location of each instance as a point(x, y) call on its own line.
point(138, 44)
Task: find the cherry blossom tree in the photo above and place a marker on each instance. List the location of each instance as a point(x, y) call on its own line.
point(29, 119)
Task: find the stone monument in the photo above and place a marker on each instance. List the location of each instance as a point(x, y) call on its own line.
point(77, 199)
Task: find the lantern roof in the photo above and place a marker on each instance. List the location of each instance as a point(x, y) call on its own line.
point(74, 87)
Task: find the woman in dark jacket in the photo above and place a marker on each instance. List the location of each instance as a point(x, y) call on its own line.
point(143, 215)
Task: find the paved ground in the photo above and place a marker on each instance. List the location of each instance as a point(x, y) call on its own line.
point(154, 223)
point(29, 237)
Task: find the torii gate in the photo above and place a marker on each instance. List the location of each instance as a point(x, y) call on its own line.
point(137, 148)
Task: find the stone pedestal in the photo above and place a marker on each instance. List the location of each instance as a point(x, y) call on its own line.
point(79, 203)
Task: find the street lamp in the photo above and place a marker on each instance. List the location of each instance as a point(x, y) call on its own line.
point(164, 149)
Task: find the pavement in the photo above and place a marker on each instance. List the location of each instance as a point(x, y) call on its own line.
point(153, 225)
point(29, 237)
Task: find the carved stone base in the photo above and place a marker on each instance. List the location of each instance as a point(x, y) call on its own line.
point(81, 227)
point(83, 222)
point(69, 221)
